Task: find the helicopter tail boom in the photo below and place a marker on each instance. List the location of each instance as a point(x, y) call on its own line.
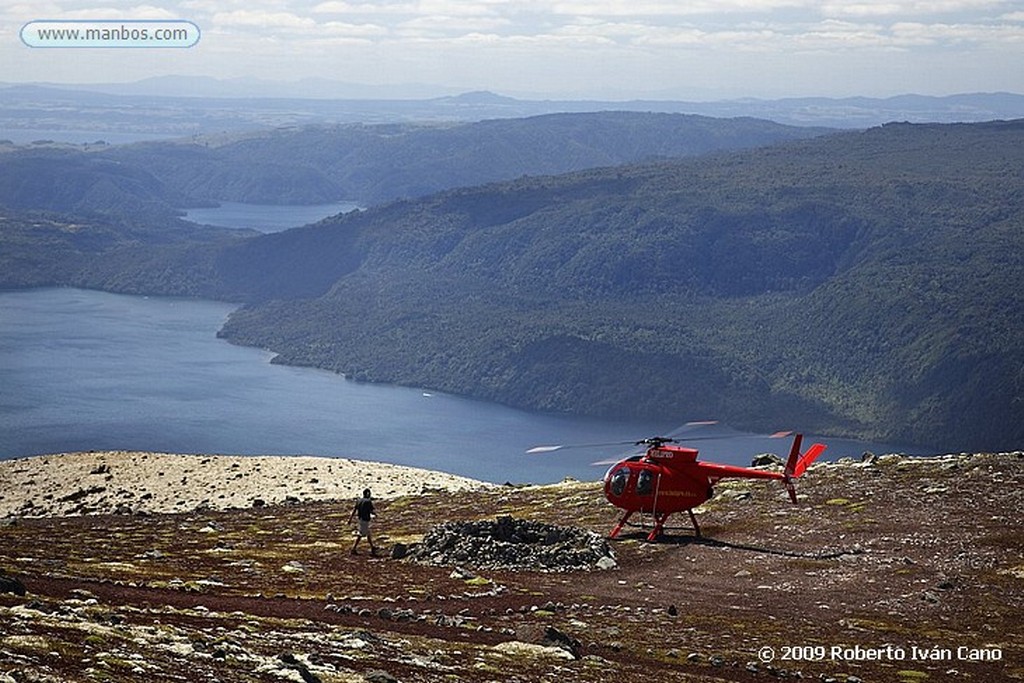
point(798, 462)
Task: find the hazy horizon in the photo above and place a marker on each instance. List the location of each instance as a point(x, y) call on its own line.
point(603, 49)
point(302, 88)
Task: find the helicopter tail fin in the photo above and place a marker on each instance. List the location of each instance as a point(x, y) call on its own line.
point(798, 462)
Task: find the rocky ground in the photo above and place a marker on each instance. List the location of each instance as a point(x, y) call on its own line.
point(897, 569)
point(131, 482)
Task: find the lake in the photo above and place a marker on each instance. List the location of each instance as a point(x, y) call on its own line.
point(85, 370)
point(266, 217)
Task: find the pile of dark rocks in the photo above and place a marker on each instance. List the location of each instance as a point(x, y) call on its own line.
point(509, 543)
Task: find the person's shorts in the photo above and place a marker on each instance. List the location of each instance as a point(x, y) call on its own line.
point(364, 527)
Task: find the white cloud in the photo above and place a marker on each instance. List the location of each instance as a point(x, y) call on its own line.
point(341, 7)
point(213, 6)
point(989, 35)
point(28, 12)
point(666, 8)
point(260, 19)
point(340, 28)
point(861, 9)
point(454, 8)
point(906, 8)
point(541, 41)
point(447, 24)
point(449, 8)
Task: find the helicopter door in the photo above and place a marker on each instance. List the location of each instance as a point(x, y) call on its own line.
point(647, 490)
point(644, 483)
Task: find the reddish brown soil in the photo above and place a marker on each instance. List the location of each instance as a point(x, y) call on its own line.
point(902, 570)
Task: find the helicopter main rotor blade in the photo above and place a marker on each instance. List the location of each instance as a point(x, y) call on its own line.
point(673, 437)
point(720, 437)
point(690, 426)
point(560, 447)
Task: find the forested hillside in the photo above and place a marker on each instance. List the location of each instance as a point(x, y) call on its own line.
point(70, 180)
point(362, 163)
point(46, 248)
point(866, 284)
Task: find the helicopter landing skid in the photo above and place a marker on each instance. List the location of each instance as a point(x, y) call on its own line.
point(659, 525)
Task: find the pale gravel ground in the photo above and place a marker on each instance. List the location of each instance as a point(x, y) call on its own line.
point(102, 481)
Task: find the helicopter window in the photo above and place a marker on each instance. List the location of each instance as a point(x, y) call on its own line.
point(644, 483)
point(618, 482)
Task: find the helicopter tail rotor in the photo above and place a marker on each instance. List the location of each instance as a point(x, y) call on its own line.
point(798, 462)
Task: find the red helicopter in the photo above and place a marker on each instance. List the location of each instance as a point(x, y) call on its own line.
point(669, 478)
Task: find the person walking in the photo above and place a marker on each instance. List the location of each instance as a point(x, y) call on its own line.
point(364, 509)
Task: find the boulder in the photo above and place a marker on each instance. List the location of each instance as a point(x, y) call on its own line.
point(9, 584)
point(766, 460)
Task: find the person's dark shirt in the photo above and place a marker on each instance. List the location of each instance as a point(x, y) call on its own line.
point(364, 508)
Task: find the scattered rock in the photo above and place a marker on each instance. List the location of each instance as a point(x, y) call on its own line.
point(461, 574)
point(509, 543)
point(555, 638)
point(81, 493)
point(293, 663)
point(766, 460)
point(520, 649)
point(9, 584)
point(378, 676)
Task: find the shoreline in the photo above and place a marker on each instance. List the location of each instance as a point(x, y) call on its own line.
point(137, 482)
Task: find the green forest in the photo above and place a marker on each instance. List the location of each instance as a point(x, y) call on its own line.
point(862, 283)
point(367, 164)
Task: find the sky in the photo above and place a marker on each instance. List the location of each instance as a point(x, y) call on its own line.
point(610, 49)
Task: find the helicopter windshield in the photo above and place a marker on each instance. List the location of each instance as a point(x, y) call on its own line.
point(617, 485)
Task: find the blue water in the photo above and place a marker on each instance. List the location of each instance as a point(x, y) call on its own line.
point(84, 370)
point(266, 217)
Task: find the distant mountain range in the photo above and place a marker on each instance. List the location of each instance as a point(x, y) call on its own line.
point(861, 283)
point(185, 106)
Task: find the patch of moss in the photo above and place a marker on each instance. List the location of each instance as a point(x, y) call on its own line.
point(94, 640)
point(28, 643)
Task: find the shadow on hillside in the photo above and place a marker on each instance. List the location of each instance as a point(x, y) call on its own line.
point(690, 539)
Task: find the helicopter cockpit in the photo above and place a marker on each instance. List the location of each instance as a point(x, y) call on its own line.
point(630, 478)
